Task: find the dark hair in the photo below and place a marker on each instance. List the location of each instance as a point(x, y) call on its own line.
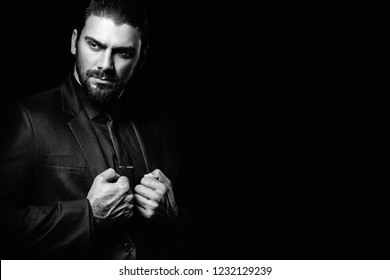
point(132, 12)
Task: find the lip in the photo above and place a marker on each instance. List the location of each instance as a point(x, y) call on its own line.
point(103, 81)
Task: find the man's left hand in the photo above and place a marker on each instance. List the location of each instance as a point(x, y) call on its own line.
point(154, 199)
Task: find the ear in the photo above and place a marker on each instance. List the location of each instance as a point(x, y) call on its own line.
point(73, 45)
point(142, 58)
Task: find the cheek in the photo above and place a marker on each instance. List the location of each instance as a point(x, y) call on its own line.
point(85, 59)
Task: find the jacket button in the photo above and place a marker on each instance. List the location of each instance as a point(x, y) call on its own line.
point(129, 247)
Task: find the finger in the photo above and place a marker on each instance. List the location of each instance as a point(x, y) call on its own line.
point(158, 175)
point(125, 201)
point(153, 184)
point(143, 212)
point(122, 210)
point(108, 175)
point(145, 203)
point(154, 174)
point(128, 214)
point(128, 198)
point(124, 182)
point(147, 193)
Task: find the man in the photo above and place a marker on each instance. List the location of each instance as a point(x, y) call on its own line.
point(85, 174)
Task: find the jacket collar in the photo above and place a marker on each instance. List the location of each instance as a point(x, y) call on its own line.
point(70, 101)
point(82, 128)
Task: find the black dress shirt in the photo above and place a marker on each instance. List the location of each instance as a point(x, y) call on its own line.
point(97, 115)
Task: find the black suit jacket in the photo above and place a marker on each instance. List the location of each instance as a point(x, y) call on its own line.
point(49, 157)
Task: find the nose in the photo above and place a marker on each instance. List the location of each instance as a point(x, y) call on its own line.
point(106, 61)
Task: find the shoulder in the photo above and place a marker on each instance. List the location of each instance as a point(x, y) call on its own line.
point(37, 106)
point(24, 111)
point(39, 102)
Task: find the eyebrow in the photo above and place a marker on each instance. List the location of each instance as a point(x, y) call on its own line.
point(114, 48)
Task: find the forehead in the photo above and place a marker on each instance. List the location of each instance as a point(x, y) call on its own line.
point(106, 31)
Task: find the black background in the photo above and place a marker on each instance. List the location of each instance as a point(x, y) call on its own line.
point(259, 104)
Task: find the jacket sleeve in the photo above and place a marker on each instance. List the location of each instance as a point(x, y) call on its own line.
point(34, 231)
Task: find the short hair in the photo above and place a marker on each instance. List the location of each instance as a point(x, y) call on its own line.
point(132, 12)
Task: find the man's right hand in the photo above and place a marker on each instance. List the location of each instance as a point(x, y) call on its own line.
point(111, 198)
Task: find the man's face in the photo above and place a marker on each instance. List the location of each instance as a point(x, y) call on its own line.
point(106, 56)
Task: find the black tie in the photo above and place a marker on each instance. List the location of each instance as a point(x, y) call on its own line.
point(122, 160)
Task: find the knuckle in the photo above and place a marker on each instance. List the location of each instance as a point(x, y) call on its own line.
point(110, 170)
point(146, 180)
point(143, 180)
point(138, 188)
point(157, 199)
point(99, 178)
point(162, 190)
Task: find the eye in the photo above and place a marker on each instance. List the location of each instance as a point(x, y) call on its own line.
point(93, 45)
point(126, 53)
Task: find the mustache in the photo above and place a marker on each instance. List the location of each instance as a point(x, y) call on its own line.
point(103, 74)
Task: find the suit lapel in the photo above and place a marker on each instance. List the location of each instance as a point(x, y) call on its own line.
point(83, 131)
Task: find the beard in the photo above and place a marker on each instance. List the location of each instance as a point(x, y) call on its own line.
point(101, 93)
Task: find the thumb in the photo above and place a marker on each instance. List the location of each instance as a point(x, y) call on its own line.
point(109, 175)
point(123, 179)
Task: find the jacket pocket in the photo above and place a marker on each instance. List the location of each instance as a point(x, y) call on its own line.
point(65, 178)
